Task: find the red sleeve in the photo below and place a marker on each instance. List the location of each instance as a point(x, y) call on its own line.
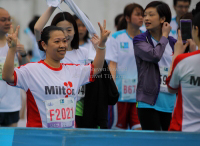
point(15, 80)
point(92, 79)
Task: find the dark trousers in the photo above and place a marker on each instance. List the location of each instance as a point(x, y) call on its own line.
point(151, 119)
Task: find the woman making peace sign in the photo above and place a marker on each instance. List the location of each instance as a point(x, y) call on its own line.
point(51, 86)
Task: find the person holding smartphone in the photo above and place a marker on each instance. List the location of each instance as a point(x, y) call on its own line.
point(181, 7)
point(153, 53)
point(184, 79)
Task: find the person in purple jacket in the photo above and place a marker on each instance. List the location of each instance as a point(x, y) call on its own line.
point(153, 53)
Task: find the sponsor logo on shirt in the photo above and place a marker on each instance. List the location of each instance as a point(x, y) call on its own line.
point(165, 69)
point(195, 81)
point(124, 46)
point(62, 101)
point(66, 90)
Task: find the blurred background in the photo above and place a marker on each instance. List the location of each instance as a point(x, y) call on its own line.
point(97, 10)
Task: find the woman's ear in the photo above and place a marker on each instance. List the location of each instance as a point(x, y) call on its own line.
point(197, 31)
point(44, 46)
point(162, 20)
point(127, 19)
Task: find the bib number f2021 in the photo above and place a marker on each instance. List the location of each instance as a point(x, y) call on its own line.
point(61, 114)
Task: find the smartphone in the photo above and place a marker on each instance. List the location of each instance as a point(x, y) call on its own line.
point(186, 29)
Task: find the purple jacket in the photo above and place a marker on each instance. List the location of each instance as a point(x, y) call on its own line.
point(147, 57)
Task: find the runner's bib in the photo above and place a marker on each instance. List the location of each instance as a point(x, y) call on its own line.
point(163, 76)
point(2, 61)
point(60, 113)
point(129, 89)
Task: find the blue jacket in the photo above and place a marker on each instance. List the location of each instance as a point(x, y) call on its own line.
point(147, 57)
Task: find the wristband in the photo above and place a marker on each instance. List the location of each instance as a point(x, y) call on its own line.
point(102, 48)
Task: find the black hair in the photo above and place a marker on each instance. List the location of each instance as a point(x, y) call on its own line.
point(45, 35)
point(65, 16)
point(176, 1)
point(30, 52)
point(86, 37)
point(196, 10)
point(128, 10)
point(117, 19)
point(32, 23)
point(196, 17)
point(185, 16)
point(162, 9)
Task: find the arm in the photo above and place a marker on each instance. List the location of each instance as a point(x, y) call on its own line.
point(112, 68)
point(179, 48)
point(100, 53)
point(42, 22)
point(148, 53)
point(8, 69)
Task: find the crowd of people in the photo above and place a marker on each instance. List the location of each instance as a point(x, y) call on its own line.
point(139, 78)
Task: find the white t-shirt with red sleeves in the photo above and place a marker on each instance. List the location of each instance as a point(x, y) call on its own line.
point(10, 98)
point(185, 78)
point(51, 92)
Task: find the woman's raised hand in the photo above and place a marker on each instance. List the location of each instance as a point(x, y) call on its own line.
point(13, 37)
point(104, 33)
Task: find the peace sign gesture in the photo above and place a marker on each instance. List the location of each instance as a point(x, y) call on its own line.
point(12, 37)
point(104, 33)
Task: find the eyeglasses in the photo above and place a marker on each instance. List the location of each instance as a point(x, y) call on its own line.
point(183, 7)
point(5, 19)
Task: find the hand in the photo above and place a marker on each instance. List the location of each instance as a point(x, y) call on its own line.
point(192, 45)
point(104, 34)
point(95, 41)
point(166, 29)
point(12, 37)
point(179, 48)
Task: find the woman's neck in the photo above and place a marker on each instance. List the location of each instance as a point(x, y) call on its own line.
point(52, 63)
point(81, 42)
point(69, 48)
point(156, 34)
point(132, 31)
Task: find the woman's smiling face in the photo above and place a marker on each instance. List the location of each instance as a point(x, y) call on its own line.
point(68, 30)
point(57, 45)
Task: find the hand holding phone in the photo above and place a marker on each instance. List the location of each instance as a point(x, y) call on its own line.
point(186, 29)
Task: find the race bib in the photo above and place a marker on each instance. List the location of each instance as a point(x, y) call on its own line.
point(2, 61)
point(81, 92)
point(163, 76)
point(129, 89)
point(60, 113)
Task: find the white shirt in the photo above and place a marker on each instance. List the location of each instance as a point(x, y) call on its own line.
point(42, 82)
point(10, 99)
point(174, 26)
point(91, 50)
point(120, 50)
point(185, 78)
